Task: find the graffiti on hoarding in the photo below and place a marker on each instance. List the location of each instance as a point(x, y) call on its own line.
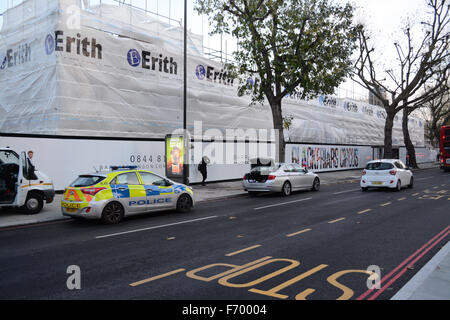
point(318, 158)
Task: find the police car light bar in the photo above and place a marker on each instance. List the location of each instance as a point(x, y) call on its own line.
point(122, 167)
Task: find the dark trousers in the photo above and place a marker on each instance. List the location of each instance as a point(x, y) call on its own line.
point(204, 175)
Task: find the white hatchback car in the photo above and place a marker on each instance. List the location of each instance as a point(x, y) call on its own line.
point(386, 173)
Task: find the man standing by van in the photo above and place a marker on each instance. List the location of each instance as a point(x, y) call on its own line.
point(31, 167)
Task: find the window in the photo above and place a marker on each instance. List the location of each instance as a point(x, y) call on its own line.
point(379, 166)
point(399, 165)
point(265, 170)
point(87, 180)
point(152, 179)
point(298, 168)
point(8, 157)
point(288, 168)
point(126, 178)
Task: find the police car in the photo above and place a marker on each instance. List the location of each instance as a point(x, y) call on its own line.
point(123, 191)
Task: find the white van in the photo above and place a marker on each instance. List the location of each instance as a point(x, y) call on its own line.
point(19, 186)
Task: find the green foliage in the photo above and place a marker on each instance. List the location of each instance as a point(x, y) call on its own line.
point(295, 45)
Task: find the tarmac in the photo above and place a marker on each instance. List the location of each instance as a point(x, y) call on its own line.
point(432, 282)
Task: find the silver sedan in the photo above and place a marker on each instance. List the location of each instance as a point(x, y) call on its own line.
point(282, 177)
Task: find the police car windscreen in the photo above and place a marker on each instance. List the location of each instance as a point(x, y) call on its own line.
point(86, 181)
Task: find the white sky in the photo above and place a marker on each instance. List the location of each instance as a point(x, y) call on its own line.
point(383, 17)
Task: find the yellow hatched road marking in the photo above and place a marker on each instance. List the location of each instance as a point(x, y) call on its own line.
point(298, 232)
point(337, 220)
point(364, 211)
point(243, 250)
point(134, 284)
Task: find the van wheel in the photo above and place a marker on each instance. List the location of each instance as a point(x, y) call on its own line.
point(112, 213)
point(184, 203)
point(33, 204)
point(286, 189)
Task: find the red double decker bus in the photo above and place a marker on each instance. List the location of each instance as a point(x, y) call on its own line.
point(445, 147)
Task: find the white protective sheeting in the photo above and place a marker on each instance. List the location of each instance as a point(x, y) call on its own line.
point(119, 73)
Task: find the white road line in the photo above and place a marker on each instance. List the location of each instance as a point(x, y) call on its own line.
point(281, 204)
point(353, 190)
point(420, 179)
point(151, 228)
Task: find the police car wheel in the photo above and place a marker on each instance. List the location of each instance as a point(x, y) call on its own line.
point(34, 203)
point(112, 213)
point(184, 203)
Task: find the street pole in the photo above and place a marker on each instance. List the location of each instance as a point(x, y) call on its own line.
point(185, 166)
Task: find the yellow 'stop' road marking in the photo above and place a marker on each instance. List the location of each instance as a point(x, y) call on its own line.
point(243, 250)
point(297, 233)
point(134, 284)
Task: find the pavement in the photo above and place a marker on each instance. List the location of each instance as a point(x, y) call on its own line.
point(432, 282)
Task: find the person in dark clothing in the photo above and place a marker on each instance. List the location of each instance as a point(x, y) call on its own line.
point(31, 168)
point(203, 171)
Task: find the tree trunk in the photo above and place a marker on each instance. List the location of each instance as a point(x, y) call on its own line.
point(278, 126)
point(388, 125)
point(411, 152)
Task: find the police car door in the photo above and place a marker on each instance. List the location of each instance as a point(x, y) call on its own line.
point(127, 189)
point(160, 195)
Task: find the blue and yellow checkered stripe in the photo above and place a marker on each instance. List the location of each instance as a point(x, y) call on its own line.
point(140, 191)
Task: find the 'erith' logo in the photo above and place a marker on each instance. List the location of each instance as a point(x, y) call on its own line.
point(82, 46)
point(14, 57)
point(156, 63)
point(222, 76)
point(3, 61)
point(134, 58)
point(200, 72)
point(49, 44)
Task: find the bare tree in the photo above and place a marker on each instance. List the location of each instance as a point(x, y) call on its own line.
point(437, 113)
point(415, 67)
point(434, 90)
